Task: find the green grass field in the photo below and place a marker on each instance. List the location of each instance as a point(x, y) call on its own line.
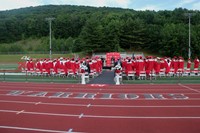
point(10, 62)
point(24, 78)
point(166, 80)
point(14, 59)
point(57, 79)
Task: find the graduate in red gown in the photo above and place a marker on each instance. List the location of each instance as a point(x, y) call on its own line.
point(189, 64)
point(168, 65)
point(196, 63)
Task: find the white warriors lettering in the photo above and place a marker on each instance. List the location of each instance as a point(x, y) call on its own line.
point(81, 95)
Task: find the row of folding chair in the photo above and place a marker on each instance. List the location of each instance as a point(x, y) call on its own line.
point(153, 75)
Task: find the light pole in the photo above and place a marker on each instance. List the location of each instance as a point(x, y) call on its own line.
point(50, 21)
point(189, 15)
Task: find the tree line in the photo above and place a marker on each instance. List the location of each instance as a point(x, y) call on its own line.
point(92, 29)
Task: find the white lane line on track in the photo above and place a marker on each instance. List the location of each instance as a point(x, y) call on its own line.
point(37, 103)
point(40, 113)
point(42, 103)
point(37, 129)
point(81, 115)
point(124, 106)
point(88, 105)
point(89, 89)
point(142, 117)
point(188, 88)
point(8, 101)
point(19, 112)
point(70, 130)
point(104, 116)
point(102, 105)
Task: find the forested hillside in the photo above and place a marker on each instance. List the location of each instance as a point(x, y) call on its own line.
point(91, 29)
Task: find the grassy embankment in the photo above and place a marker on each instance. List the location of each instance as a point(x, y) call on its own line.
point(11, 59)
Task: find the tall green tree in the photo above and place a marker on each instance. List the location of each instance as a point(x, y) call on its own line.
point(174, 37)
point(79, 28)
point(133, 34)
point(92, 34)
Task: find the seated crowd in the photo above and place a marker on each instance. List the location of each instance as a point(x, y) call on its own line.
point(158, 66)
point(62, 66)
point(136, 66)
